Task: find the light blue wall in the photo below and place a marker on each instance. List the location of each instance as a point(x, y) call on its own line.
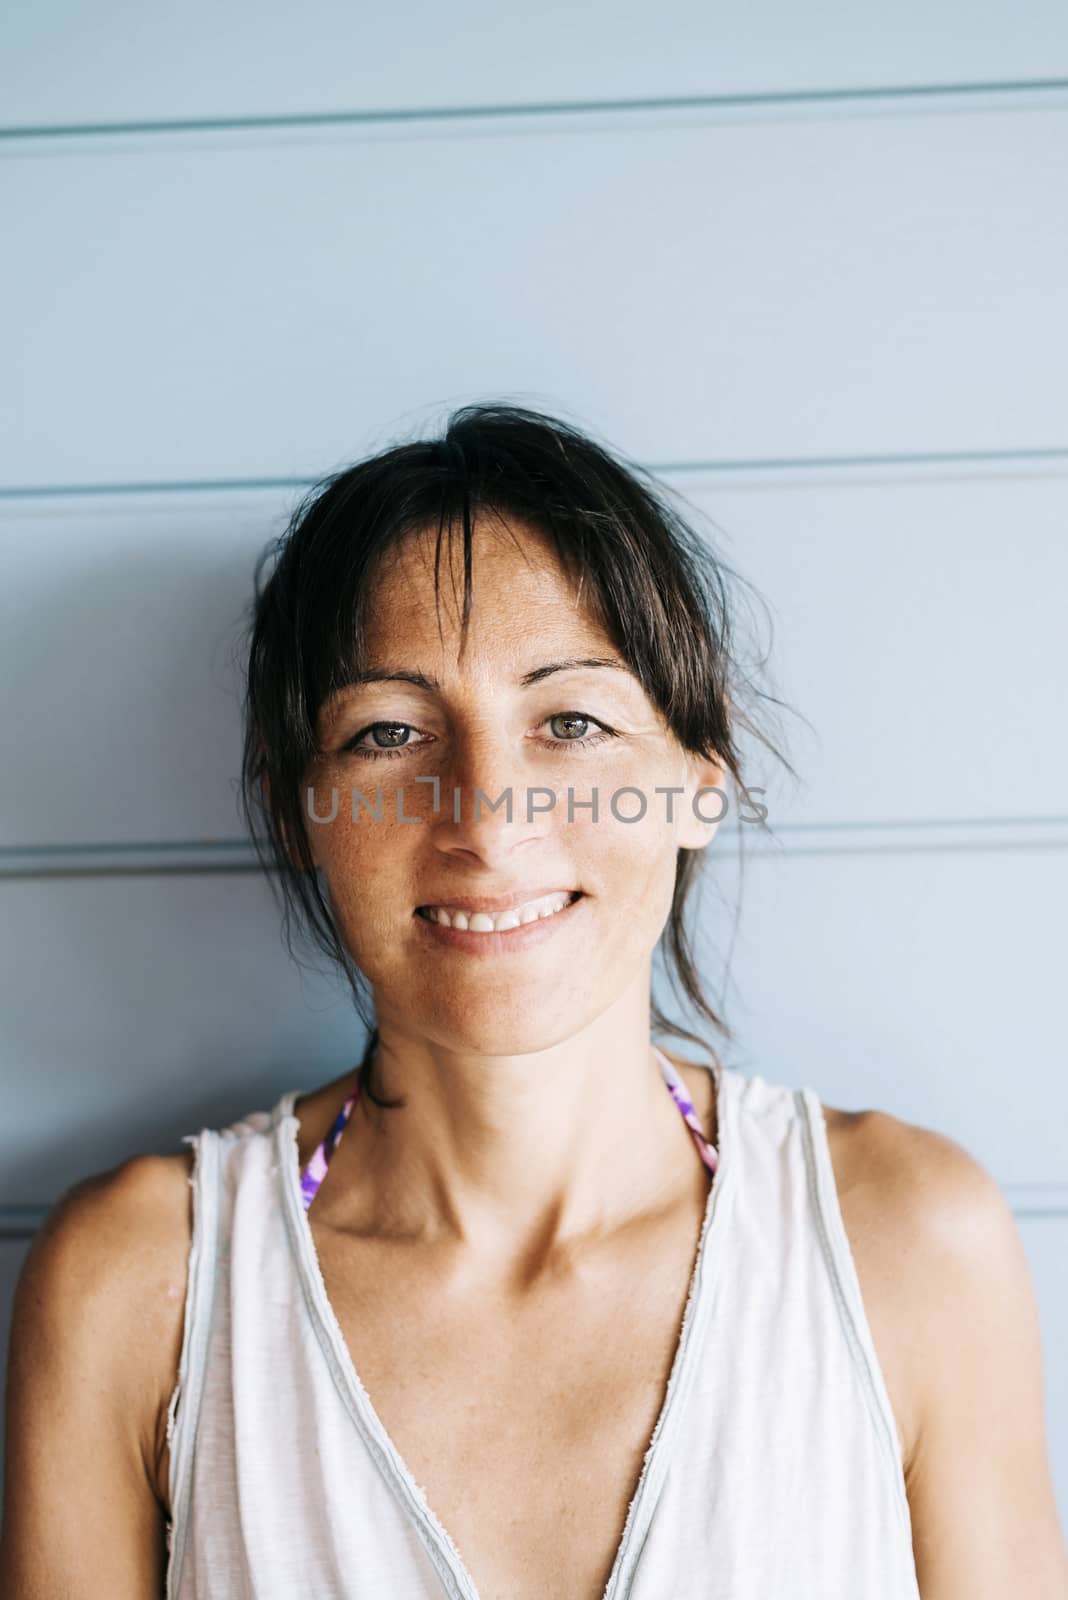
point(809, 264)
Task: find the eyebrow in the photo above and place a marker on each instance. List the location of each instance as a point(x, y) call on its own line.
point(422, 680)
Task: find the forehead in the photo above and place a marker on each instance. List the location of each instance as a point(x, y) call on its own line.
point(519, 590)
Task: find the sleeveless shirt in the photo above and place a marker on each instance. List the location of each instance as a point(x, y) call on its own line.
point(774, 1467)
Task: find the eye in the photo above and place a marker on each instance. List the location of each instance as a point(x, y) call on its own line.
point(583, 743)
point(392, 738)
point(395, 744)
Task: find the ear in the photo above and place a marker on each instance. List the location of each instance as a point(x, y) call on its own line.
point(704, 805)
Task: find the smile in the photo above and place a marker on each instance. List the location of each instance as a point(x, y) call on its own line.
point(549, 905)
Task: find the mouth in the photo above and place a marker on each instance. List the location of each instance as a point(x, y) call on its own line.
point(519, 926)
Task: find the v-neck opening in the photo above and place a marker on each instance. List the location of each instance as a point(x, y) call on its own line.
point(440, 1546)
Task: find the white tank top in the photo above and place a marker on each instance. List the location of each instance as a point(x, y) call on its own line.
point(774, 1467)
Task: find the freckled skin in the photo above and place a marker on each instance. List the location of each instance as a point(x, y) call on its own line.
point(485, 732)
point(555, 1269)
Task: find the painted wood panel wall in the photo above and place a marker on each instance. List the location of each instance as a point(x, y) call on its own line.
point(751, 284)
point(814, 274)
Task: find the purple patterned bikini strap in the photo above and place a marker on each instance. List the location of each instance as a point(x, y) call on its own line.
point(677, 1089)
point(315, 1171)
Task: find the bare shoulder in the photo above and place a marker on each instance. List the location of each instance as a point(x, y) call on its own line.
point(921, 1187)
point(913, 1201)
point(952, 1309)
point(114, 1226)
point(95, 1338)
point(107, 1271)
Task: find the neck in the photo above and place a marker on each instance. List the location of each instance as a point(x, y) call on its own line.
point(516, 1155)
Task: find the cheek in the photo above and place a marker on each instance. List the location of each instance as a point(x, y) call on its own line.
point(365, 867)
point(630, 865)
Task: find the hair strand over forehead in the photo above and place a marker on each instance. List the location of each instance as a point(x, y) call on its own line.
point(656, 586)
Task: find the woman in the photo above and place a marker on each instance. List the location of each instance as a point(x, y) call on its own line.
point(524, 1307)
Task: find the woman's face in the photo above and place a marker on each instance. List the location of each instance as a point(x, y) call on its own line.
point(509, 715)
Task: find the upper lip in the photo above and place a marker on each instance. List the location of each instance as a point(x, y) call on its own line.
point(498, 902)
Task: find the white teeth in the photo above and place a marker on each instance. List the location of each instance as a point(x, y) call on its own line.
point(500, 921)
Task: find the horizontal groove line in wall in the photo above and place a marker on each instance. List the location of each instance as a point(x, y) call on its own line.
point(907, 847)
point(954, 824)
point(156, 869)
point(21, 1222)
point(895, 465)
point(154, 846)
point(881, 838)
point(844, 96)
point(1025, 1199)
point(20, 863)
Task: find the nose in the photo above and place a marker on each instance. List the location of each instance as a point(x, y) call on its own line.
point(491, 801)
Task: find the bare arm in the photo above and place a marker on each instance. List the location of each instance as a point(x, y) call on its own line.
point(92, 1330)
point(984, 1516)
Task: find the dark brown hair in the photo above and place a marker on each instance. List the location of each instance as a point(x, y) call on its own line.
point(661, 593)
